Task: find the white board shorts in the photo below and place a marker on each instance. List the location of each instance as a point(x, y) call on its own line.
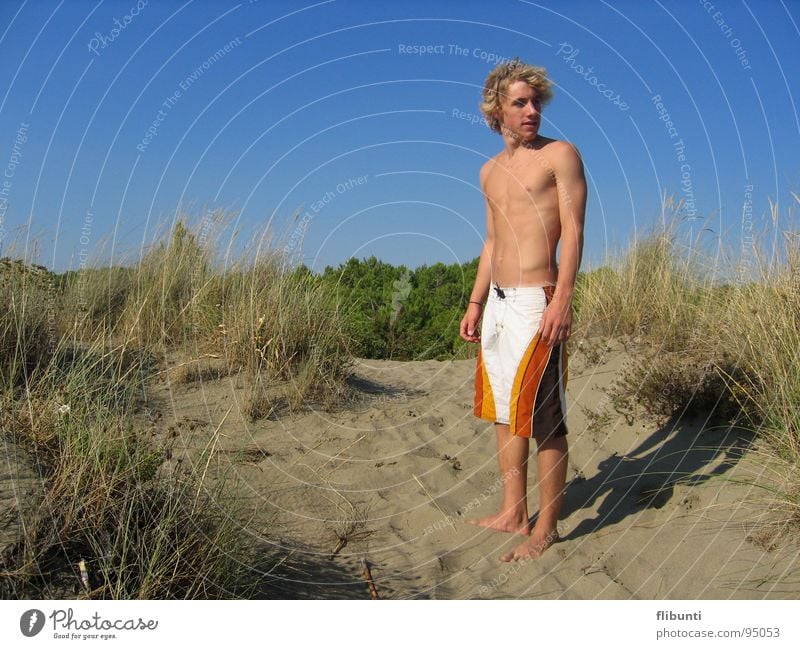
point(520, 380)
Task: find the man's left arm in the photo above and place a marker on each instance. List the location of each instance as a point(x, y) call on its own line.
point(571, 186)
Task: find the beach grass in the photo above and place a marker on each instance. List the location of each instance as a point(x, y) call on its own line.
point(713, 334)
point(115, 517)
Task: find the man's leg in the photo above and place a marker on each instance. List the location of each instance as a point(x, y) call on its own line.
point(512, 453)
point(552, 455)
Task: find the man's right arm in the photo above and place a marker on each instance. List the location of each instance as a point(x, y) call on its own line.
point(484, 275)
point(480, 291)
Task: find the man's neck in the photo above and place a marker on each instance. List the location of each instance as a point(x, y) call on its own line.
point(514, 142)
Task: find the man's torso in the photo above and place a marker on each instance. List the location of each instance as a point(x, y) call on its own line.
point(523, 201)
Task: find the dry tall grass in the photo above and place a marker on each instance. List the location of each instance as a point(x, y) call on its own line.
point(106, 524)
point(715, 335)
point(277, 324)
point(76, 354)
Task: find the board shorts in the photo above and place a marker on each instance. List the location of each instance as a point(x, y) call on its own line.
point(520, 380)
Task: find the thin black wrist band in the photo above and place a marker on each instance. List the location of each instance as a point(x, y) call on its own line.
point(474, 302)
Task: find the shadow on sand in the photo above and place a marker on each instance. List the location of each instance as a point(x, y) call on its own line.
point(675, 454)
point(290, 571)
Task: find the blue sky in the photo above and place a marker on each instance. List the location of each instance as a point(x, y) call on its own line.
point(115, 116)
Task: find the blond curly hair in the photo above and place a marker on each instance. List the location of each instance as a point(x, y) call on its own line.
point(506, 73)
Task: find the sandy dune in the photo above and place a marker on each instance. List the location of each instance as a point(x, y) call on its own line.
point(651, 511)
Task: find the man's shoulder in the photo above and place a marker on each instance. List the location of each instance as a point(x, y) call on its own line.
point(492, 161)
point(560, 148)
point(563, 156)
point(487, 166)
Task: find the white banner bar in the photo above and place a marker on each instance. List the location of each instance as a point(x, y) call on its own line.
point(378, 624)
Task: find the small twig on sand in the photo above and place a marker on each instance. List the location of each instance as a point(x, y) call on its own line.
point(84, 575)
point(368, 578)
point(342, 542)
point(446, 517)
point(331, 459)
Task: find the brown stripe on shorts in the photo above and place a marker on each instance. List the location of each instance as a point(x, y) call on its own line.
point(548, 416)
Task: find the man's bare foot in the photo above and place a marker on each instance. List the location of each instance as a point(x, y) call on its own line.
point(504, 522)
point(533, 548)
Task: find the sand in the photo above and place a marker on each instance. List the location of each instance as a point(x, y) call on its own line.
point(652, 509)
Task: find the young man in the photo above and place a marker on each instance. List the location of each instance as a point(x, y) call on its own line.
point(535, 195)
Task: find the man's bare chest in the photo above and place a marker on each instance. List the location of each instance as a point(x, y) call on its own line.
point(530, 179)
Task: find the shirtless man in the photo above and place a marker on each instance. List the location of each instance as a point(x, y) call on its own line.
point(535, 195)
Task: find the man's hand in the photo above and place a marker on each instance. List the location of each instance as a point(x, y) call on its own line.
point(470, 322)
point(556, 325)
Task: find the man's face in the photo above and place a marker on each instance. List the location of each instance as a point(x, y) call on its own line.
point(520, 111)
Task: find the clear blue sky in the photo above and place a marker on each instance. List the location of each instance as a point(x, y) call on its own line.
point(308, 96)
